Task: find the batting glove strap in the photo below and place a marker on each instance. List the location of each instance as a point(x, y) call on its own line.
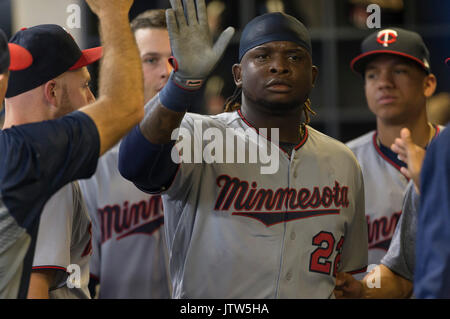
point(179, 94)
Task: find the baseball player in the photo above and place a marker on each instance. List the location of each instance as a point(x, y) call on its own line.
point(397, 78)
point(408, 82)
point(232, 231)
point(395, 275)
point(39, 158)
point(64, 230)
point(130, 260)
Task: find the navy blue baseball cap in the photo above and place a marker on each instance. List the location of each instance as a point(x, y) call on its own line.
point(396, 41)
point(273, 27)
point(54, 52)
point(12, 56)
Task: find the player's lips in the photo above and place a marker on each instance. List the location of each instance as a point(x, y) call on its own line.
point(280, 86)
point(386, 99)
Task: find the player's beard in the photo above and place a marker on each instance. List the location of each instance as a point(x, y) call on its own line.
point(65, 106)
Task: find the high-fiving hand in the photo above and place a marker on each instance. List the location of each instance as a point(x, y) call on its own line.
point(110, 6)
point(192, 44)
point(411, 154)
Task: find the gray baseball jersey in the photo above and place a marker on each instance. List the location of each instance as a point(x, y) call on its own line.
point(233, 232)
point(64, 238)
point(384, 187)
point(130, 256)
point(401, 256)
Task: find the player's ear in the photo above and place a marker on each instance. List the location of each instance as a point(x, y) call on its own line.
point(50, 92)
point(237, 74)
point(429, 85)
point(315, 73)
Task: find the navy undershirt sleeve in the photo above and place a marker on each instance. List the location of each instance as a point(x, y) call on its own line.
point(149, 166)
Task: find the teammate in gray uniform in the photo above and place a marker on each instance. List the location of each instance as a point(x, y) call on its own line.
point(397, 89)
point(397, 79)
point(396, 271)
point(39, 158)
point(232, 231)
point(131, 261)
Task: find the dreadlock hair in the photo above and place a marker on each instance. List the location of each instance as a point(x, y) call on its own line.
point(234, 102)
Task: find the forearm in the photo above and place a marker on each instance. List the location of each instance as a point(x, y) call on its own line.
point(120, 105)
point(149, 166)
point(121, 69)
point(160, 122)
point(390, 285)
point(39, 284)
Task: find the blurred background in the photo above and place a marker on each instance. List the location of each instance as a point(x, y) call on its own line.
point(337, 28)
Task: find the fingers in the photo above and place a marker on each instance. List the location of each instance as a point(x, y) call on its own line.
point(399, 148)
point(405, 172)
point(342, 278)
point(223, 41)
point(405, 134)
point(201, 13)
point(191, 13)
point(177, 8)
point(338, 294)
point(172, 25)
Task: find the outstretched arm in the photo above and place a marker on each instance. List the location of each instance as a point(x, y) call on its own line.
point(195, 55)
point(120, 105)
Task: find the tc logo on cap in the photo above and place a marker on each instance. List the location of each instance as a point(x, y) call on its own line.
point(386, 37)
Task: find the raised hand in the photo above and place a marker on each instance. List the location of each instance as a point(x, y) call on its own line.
point(192, 45)
point(411, 154)
point(110, 6)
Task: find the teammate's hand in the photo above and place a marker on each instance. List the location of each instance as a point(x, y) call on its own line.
point(110, 6)
point(191, 43)
point(411, 154)
point(347, 287)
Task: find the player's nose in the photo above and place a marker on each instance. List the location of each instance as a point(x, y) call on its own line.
point(385, 79)
point(279, 64)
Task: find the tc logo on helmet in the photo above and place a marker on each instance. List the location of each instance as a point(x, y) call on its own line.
point(386, 37)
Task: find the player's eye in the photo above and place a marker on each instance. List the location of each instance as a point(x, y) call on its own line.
point(150, 60)
point(294, 58)
point(370, 75)
point(261, 56)
point(400, 71)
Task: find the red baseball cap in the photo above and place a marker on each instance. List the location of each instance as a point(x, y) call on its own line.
point(13, 56)
point(20, 58)
point(54, 52)
point(395, 41)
